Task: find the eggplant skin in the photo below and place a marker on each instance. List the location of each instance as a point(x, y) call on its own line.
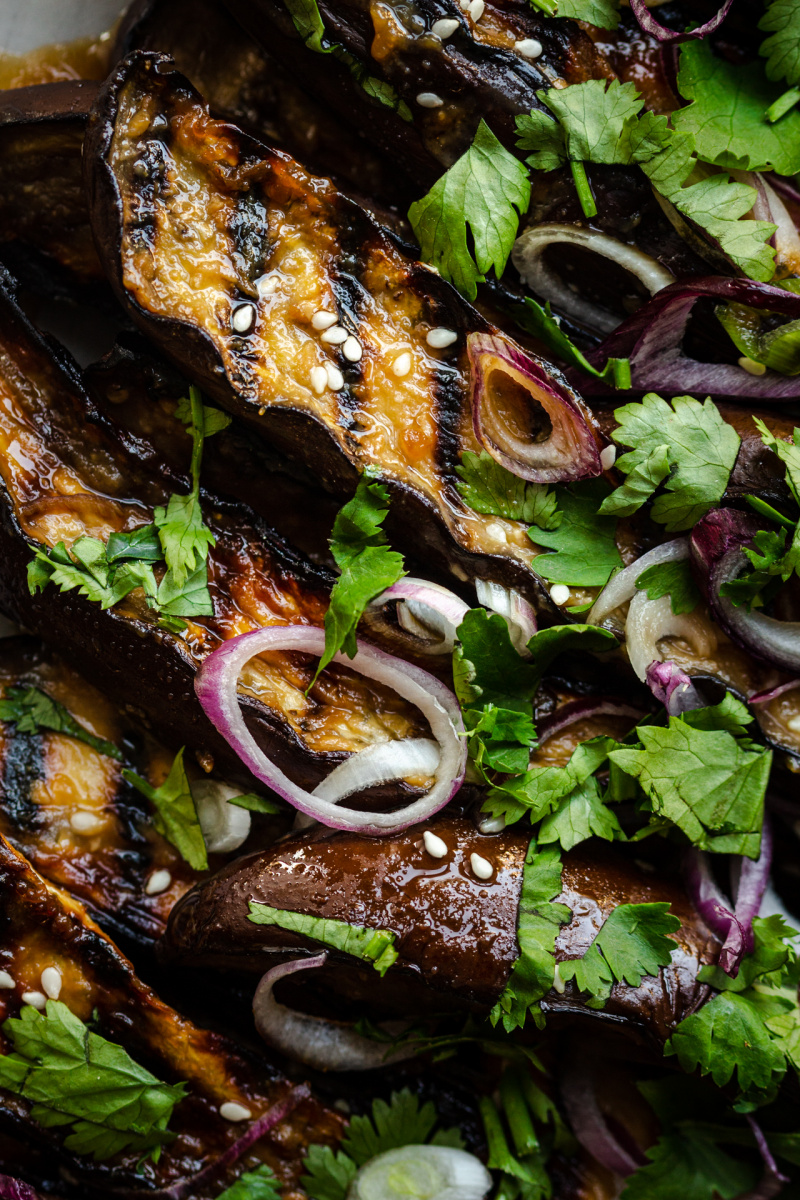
point(456, 935)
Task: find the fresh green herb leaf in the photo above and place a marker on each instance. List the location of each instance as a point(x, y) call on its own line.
point(690, 1165)
point(673, 579)
point(639, 485)
point(191, 599)
point(770, 954)
point(772, 564)
point(260, 1184)
point(602, 13)
point(176, 815)
point(585, 540)
point(633, 942)
point(777, 348)
point(371, 945)
point(726, 1036)
point(486, 190)
point(75, 1077)
point(31, 710)
point(547, 644)
point(487, 487)
point(185, 538)
point(787, 452)
point(328, 1175)
point(593, 120)
point(140, 544)
point(540, 322)
point(730, 715)
point(580, 815)
point(487, 670)
point(541, 790)
point(214, 419)
point(86, 570)
point(253, 803)
point(782, 48)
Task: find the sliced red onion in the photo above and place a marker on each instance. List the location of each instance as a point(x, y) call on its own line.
point(509, 391)
point(650, 621)
point(516, 610)
point(583, 710)
point(15, 1189)
point(664, 34)
point(225, 826)
point(769, 206)
point(622, 587)
point(652, 339)
point(772, 1180)
point(589, 1125)
point(773, 693)
point(717, 544)
point(528, 257)
point(216, 688)
point(317, 1042)
point(379, 764)
point(673, 687)
point(428, 611)
point(749, 880)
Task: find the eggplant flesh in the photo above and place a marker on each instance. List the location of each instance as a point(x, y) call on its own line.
point(456, 934)
point(45, 927)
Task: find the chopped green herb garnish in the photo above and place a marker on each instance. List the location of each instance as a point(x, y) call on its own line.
point(584, 542)
point(31, 709)
point(259, 1184)
point(371, 945)
point(540, 322)
point(175, 815)
point(257, 804)
point(633, 942)
point(673, 579)
point(782, 48)
point(487, 487)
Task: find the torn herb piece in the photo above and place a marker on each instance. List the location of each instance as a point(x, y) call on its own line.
point(633, 942)
point(673, 579)
point(585, 541)
point(260, 1184)
point(175, 812)
point(371, 945)
point(541, 323)
point(487, 487)
point(32, 709)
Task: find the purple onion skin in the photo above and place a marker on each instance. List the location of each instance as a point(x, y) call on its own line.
point(15, 1189)
point(653, 336)
point(713, 908)
point(648, 24)
point(773, 1179)
point(673, 687)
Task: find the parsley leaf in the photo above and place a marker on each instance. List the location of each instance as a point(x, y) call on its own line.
point(690, 1165)
point(701, 448)
point(75, 1077)
point(259, 1184)
point(185, 538)
point(726, 1036)
point(176, 815)
point(371, 945)
point(772, 564)
point(31, 709)
point(580, 815)
point(782, 48)
point(541, 790)
point(673, 579)
point(253, 803)
point(367, 565)
point(585, 542)
point(487, 190)
point(487, 487)
point(632, 942)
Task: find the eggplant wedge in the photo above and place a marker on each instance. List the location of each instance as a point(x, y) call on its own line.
point(45, 931)
point(287, 303)
point(456, 935)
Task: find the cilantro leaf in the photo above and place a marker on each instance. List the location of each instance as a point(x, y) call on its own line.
point(632, 942)
point(253, 803)
point(546, 644)
point(176, 815)
point(191, 599)
point(141, 544)
point(32, 709)
point(367, 565)
point(580, 815)
point(73, 1076)
point(702, 450)
point(487, 190)
point(787, 452)
point(772, 564)
point(328, 1175)
point(540, 322)
point(541, 789)
point(673, 579)
point(594, 117)
point(487, 487)
point(185, 538)
point(214, 420)
point(585, 542)
point(639, 485)
point(726, 1036)
point(85, 568)
point(730, 714)
point(371, 945)
point(690, 1165)
point(782, 48)
point(602, 13)
point(259, 1184)
point(486, 667)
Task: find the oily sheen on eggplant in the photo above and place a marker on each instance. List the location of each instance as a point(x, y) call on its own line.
point(456, 934)
point(224, 252)
point(45, 927)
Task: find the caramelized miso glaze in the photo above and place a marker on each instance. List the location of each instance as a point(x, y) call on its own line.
point(83, 58)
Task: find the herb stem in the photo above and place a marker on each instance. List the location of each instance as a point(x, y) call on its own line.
point(517, 1113)
point(766, 510)
point(499, 1152)
point(782, 105)
point(198, 435)
point(584, 189)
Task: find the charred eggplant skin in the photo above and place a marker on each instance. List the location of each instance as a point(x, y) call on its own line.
point(456, 935)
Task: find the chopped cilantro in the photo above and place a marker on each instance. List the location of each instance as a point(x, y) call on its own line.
point(176, 815)
point(787, 452)
point(728, 1036)
point(701, 448)
point(673, 579)
point(185, 538)
point(31, 709)
point(253, 803)
point(602, 13)
point(544, 790)
point(546, 644)
point(584, 543)
point(690, 1165)
point(591, 124)
point(485, 190)
point(488, 487)
point(782, 48)
point(371, 945)
point(540, 322)
point(75, 1077)
point(259, 1184)
point(632, 942)
point(580, 815)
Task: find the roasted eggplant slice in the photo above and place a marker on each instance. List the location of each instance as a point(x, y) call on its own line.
point(45, 930)
point(456, 935)
point(287, 303)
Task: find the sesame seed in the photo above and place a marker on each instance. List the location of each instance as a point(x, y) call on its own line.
point(323, 319)
point(496, 531)
point(429, 100)
point(558, 983)
point(267, 284)
point(86, 822)
point(352, 349)
point(434, 845)
point(243, 318)
point(608, 456)
point(51, 982)
point(481, 867)
point(794, 724)
point(335, 336)
point(158, 882)
point(231, 1111)
point(752, 368)
point(319, 379)
point(445, 27)
point(440, 338)
point(528, 48)
point(476, 10)
point(559, 594)
point(35, 999)
point(401, 365)
point(495, 824)
point(6, 980)
point(335, 377)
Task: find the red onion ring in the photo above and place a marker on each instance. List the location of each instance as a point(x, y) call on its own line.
point(773, 693)
point(316, 1042)
point(622, 586)
point(216, 688)
point(518, 613)
point(570, 451)
point(584, 710)
point(649, 621)
point(589, 1125)
point(772, 1180)
point(425, 609)
point(673, 687)
point(15, 1189)
point(663, 34)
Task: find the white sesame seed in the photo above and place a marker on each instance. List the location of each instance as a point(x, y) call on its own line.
point(267, 284)
point(401, 365)
point(335, 377)
point(323, 320)
point(528, 48)
point(481, 867)
point(335, 336)
point(794, 724)
point(352, 349)
point(6, 980)
point(445, 27)
point(51, 982)
point(476, 10)
point(243, 318)
point(158, 882)
point(429, 100)
point(608, 456)
point(434, 845)
point(440, 338)
point(495, 530)
point(35, 999)
point(86, 822)
point(558, 983)
point(231, 1111)
point(559, 594)
point(492, 824)
point(752, 368)
point(319, 379)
